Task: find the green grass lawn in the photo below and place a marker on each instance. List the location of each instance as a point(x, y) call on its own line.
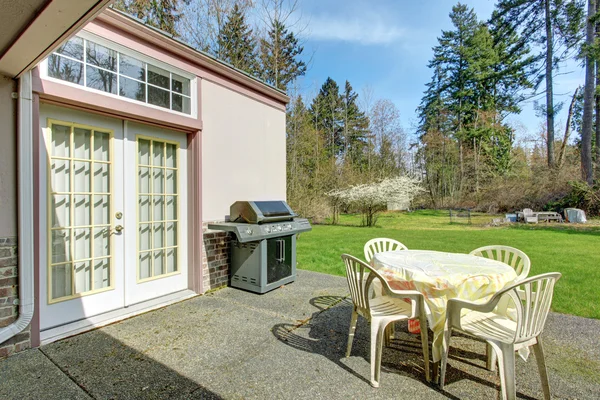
point(573, 251)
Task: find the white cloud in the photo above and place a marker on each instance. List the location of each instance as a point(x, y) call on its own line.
point(368, 29)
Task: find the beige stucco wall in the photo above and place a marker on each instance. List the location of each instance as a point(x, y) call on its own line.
point(243, 150)
point(8, 158)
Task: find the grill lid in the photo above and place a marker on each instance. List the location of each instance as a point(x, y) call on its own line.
point(257, 212)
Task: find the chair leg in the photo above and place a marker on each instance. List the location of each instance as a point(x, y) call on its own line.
point(491, 357)
point(425, 345)
point(541, 362)
point(387, 336)
point(351, 333)
point(377, 333)
point(445, 353)
point(506, 366)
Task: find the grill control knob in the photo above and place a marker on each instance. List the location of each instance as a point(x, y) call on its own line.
point(268, 229)
point(249, 231)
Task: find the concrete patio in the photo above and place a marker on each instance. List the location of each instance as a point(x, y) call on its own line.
point(286, 344)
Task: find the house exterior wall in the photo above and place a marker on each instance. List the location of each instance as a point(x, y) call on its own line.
point(243, 158)
point(8, 218)
point(243, 151)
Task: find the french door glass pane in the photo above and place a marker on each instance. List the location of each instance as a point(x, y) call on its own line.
point(82, 210)
point(80, 171)
point(143, 152)
point(101, 242)
point(171, 234)
point(101, 146)
point(171, 156)
point(81, 179)
point(144, 179)
point(61, 141)
point(83, 277)
point(159, 262)
point(171, 208)
point(82, 243)
point(158, 179)
point(101, 178)
point(61, 206)
point(157, 208)
point(171, 260)
point(144, 211)
point(82, 143)
point(102, 273)
point(145, 265)
point(60, 176)
point(61, 246)
point(62, 280)
point(101, 210)
point(171, 181)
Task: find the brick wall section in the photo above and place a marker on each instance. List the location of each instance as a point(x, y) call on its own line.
point(216, 257)
point(8, 297)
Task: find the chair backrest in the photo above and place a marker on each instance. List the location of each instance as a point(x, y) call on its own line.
point(360, 275)
point(379, 245)
point(531, 299)
point(508, 255)
point(527, 212)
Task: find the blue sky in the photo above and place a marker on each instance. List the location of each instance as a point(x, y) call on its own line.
point(386, 44)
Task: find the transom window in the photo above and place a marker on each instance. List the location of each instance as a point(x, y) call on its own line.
point(157, 213)
point(84, 62)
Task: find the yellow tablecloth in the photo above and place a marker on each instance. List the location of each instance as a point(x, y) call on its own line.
point(440, 277)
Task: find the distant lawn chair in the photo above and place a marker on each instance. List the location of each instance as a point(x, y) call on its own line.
point(529, 216)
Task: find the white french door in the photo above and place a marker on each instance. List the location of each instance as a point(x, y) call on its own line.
point(156, 177)
point(113, 217)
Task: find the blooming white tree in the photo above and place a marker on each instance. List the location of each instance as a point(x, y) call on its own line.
point(374, 197)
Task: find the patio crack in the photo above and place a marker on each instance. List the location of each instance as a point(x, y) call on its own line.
point(67, 374)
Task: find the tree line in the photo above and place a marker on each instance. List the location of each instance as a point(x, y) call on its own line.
point(482, 72)
point(464, 147)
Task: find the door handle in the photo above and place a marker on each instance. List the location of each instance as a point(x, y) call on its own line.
point(119, 228)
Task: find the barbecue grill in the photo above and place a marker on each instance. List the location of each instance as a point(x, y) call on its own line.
point(263, 252)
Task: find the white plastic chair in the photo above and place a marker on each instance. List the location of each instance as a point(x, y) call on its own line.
point(531, 299)
point(381, 311)
point(379, 245)
point(508, 255)
point(521, 264)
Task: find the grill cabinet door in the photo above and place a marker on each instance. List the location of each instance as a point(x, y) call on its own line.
point(279, 258)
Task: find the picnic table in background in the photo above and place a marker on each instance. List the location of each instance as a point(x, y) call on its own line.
point(442, 276)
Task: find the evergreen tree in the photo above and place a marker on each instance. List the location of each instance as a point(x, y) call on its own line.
point(279, 55)
point(327, 113)
point(236, 44)
point(161, 14)
point(545, 22)
point(355, 128)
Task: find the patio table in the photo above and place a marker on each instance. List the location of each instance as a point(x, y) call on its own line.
point(442, 276)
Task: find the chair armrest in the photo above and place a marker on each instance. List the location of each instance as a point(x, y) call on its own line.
point(455, 306)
